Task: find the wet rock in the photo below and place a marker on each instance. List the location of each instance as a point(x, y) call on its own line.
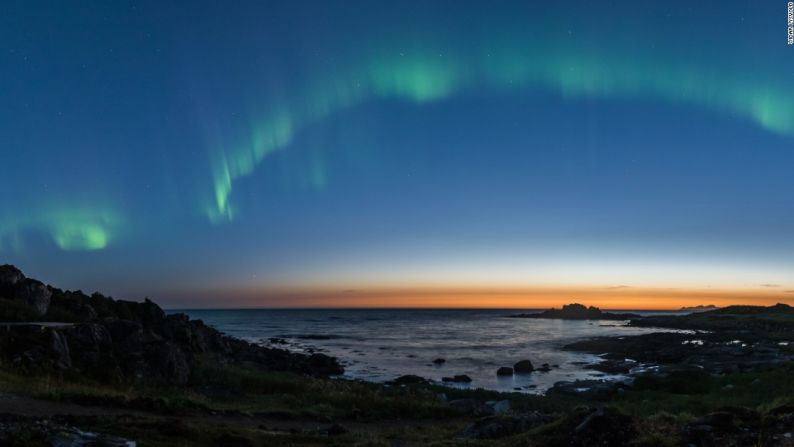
point(461, 378)
point(544, 368)
point(439, 361)
point(523, 367)
point(612, 366)
point(504, 371)
point(408, 379)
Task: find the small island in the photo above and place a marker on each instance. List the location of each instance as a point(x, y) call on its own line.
point(699, 308)
point(577, 311)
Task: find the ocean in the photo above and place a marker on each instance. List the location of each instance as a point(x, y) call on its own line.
point(382, 344)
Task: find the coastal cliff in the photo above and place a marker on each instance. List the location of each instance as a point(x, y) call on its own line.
point(48, 330)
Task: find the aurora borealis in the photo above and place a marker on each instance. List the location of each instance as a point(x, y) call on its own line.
point(303, 153)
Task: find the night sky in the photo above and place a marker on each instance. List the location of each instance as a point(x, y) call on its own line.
point(430, 153)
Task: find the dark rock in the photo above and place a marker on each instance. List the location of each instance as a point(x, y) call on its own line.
point(34, 294)
point(128, 341)
point(504, 371)
point(408, 379)
point(462, 378)
point(61, 349)
point(9, 277)
point(168, 363)
point(523, 366)
point(613, 366)
point(439, 361)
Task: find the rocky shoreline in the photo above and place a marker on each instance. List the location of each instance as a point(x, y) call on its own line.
point(79, 369)
point(117, 341)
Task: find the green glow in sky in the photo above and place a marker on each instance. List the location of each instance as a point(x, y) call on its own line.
point(68, 229)
point(420, 77)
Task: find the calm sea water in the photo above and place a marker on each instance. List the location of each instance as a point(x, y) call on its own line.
point(379, 345)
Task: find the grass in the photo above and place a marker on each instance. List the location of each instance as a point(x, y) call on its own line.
point(761, 391)
point(184, 415)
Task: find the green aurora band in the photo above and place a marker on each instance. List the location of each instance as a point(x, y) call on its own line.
point(73, 229)
point(424, 76)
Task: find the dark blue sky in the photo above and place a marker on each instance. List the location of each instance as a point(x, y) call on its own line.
point(200, 152)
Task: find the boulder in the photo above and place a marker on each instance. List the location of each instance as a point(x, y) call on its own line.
point(439, 361)
point(523, 367)
point(504, 371)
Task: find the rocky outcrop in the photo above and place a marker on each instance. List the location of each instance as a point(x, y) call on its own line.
point(14, 286)
point(34, 294)
point(126, 341)
point(577, 311)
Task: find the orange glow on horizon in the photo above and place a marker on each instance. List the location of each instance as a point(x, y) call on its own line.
point(618, 297)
